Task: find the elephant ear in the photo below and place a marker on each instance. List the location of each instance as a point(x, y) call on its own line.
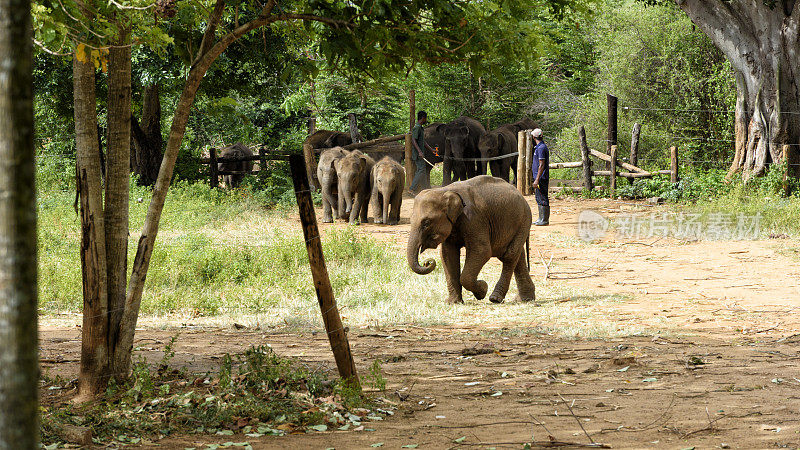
point(362, 163)
point(454, 204)
point(464, 130)
point(501, 140)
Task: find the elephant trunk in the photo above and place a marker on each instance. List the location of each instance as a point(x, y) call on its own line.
point(387, 196)
point(412, 252)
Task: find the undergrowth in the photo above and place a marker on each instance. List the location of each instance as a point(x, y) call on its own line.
point(252, 394)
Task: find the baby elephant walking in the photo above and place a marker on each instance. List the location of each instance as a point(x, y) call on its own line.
point(388, 182)
point(354, 173)
point(487, 216)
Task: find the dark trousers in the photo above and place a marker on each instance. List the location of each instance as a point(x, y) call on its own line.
point(541, 193)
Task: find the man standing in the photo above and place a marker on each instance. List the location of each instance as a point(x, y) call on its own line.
point(540, 166)
point(418, 153)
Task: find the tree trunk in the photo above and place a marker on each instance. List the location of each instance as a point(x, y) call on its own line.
point(19, 359)
point(208, 53)
point(147, 139)
point(118, 184)
point(94, 344)
point(352, 122)
point(761, 42)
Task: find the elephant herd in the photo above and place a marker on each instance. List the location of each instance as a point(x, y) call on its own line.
point(352, 180)
point(468, 149)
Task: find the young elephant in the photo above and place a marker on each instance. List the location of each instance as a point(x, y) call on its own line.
point(499, 142)
point(487, 216)
point(388, 182)
point(326, 174)
point(354, 173)
point(237, 150)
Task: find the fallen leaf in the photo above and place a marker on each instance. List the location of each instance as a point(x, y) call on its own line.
point(376, 445)
point(649, 380)
point(460, 440)
point(624, 369)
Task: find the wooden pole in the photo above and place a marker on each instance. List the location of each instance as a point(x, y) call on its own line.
point(412, 109)
point(312, 125)
point(411, 167)
point(637, 131)
point(673, 158)
point(213, 168)
point(262, 162)
point(522, 173)
point(311, 166)
point(613, 183)
point(588, 183)
point(528, 162)
point(352, 123)
point(612, 122)
point(337, 333)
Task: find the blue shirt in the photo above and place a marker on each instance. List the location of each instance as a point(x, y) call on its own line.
point(541, 155)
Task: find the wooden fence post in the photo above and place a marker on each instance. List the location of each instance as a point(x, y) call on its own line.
point(522, 172)
point(262, 162)
point(634, 161)
point(411, 167)
point(612, 122)
point(613, 183)
point(588, 183)
point(312, 125)
point(337, 333)
point(352, 123)
point(412, 109)
point(673, 159)
point(528, 162)
point(213, 168)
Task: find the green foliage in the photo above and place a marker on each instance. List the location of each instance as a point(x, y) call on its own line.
point(256, 393)
point(375, 378)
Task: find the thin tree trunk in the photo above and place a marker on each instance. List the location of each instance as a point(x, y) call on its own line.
point(118, 183)
point(148, 142)
point(19, 359)
point(209, 52)
point(93, 373)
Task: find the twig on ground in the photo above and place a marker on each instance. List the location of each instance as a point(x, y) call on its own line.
point(576, 418)
point(625, 429)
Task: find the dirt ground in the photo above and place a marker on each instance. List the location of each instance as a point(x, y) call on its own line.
point(720, 369)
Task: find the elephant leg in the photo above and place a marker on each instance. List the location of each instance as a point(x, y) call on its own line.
point(474, 262)
point(340, 202)
point(514, 169)
point(525, 286)
point(397, 202)
point(501, 288)
point(451, 257)
point(364, 205)
point(447, 168)
point(326, 210)
point(377, 204)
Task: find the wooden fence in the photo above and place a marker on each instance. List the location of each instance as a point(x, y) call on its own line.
point(525, 144)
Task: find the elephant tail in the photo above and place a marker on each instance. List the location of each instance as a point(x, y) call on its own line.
point(528, 252)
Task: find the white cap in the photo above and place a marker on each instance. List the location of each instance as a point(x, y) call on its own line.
point(537, 132)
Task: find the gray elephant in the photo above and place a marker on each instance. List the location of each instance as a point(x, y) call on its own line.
point(487, 216)
point(499, 142)
point(237, 150)
point(388, 182)
point(461, 142)
point(354, 173)
point(326, 174)
point(328, 139)
point(522, 124)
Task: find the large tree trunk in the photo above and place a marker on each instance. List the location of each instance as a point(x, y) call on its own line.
point(761, 42)
point(147, 139)
point(93, 372)
point(118, 184)
point(19, 359)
